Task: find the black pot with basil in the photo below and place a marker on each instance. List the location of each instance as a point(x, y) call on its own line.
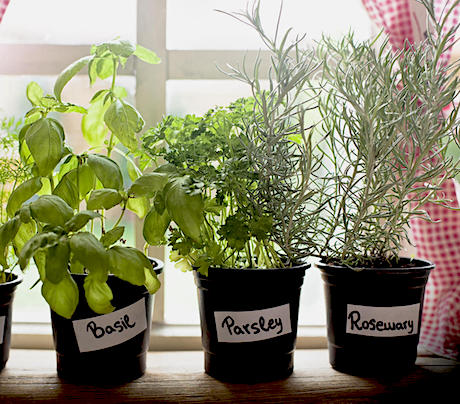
point(91, 347)
point(68, 217)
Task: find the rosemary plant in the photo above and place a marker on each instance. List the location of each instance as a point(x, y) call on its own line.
point(249, 165)
point(387, 131)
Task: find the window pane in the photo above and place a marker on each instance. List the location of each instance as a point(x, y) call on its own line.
point(29, 304)
point(181, 302)
point(194, 24)
point(68, 22)
point(198, 96)
point(181, 307)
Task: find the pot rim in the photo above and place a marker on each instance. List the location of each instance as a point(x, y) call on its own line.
point(299, 267)
point(421, 265)
point(16, 281)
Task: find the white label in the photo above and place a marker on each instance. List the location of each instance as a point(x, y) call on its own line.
point(398, 321)
point(2, 328)
point(111, 329)
point(256, 325)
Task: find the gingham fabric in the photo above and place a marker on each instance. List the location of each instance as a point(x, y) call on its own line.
point(438, 242)
point(3, 6)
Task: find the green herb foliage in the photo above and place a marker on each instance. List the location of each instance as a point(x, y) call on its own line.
point(239, 187)
point(52, 215)
point(12, 173)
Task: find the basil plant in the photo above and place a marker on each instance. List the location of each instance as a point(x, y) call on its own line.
point(56, 218)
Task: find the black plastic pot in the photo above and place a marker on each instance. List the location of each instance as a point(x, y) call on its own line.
point(6, 305)
point(249, 322)
point(98, 349)
point(374, 315)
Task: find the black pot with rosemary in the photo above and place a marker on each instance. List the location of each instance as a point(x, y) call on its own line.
point(386, 133)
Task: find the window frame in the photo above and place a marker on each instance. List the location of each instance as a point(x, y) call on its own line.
point(150, 99)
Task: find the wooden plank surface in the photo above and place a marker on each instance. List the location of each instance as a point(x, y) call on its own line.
point(178, 377)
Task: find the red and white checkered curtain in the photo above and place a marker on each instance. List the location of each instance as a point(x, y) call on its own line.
point(3, 6)
point(438, 242)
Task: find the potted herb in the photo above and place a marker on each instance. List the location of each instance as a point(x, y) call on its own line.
point(12, 171)
point(99, 290)
point(386, 138)
point(231, 196)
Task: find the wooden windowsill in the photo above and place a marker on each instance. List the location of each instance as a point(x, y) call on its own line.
point(178, 377)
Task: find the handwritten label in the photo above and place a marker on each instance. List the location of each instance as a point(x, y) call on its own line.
point(2, 328)
point(110, 329)
point(395, 321)
point(256, 325)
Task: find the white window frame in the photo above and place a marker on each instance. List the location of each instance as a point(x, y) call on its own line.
point(150, 99)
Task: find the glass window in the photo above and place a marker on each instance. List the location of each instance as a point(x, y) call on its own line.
point(68, 22)
point(197, 24)
point(190, 25)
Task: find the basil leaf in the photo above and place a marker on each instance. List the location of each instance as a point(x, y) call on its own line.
point(49, 102)
point(139, 206)
point(186, 210)
point(103, 199)
point(151, 280)
point(21, 194)
point(148, 185)
point(112, 236)
point(76, 267)
point(106, 170)
point(34, 93)
point(128, 263)
point(68, 73)
point(98, 295)
point(69, 164)
point(86, 179)
point(155, 226)
point(7, 233)
point(33, 245)
point(121, 48)
point(87, 249)
point(32, 116)
point(80, 220)
point(67, 108)
point(104, 67)
point(83, 177)
point(146, 55)
point(51, 209)
point(62, 297)
point(40, 262)
point(67, 190)
point(25, 232)
point(92, 74)
point(45, 143)
point(124, 121)
point(25, 214)
point(92, 124)
point(57, 261)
